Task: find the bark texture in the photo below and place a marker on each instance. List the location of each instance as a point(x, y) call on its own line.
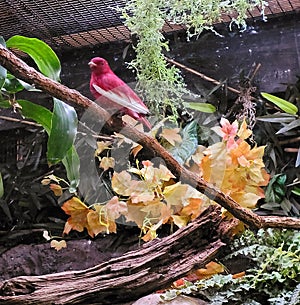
point(154, 266)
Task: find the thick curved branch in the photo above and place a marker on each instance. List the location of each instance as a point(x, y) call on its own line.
point(21, 70)
point(154, 265)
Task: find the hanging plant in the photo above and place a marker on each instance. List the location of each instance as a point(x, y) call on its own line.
point(162, 85)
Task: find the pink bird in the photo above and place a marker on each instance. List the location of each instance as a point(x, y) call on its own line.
point(113, 94)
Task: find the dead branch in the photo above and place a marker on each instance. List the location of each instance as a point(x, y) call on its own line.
point(289, 141)
point(6, 118)
point(154, 266)
point(203, 76)
point(21, 70)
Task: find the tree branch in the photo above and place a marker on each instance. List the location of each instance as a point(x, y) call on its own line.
point(153, 266)
point(21, 70)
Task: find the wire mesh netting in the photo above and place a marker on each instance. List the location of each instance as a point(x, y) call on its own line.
point(77, 23)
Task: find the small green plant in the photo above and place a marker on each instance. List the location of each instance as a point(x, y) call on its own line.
point(22, 199)
point(275, 255)
point(281, 125)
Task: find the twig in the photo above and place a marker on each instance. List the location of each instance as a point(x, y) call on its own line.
point(203, 76)
point(93, 133)
point(19, 121)
point(291, 150)
point(257, 67)
point(289, 141)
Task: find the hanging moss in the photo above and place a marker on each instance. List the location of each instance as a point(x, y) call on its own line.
point(161, 84)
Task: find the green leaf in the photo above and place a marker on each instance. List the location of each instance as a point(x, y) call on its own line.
point(286, 205)
point(3, 71)
point(5, 104)
point(37, 113)
point(63, 131)
point(284, 105)
point(276, 189)
point(43, 116)
point(203, 107)
point(296, 191)
point(72, 164)
point(1, 187)
point(12, 85)
point(182, 151)
point(44, 57)
point(3, 74)
point(29, 87)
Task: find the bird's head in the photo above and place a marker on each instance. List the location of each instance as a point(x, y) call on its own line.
point(99, 65)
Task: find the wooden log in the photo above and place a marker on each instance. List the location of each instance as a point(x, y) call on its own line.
point(154, 266)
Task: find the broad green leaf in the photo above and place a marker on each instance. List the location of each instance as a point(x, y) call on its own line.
point(1, 187)
point(43, 116)
point(63, 131)
point(12, 84)
point(5, 104)
point(203, 107)
point(37, 113)
point(72, 164)
point(3, 71)
point(284, 105)
point(3, 74)
point(182, 151)
point(44, 57)
point(290, 126)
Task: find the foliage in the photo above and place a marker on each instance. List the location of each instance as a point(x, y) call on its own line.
point(163, 85)
point(148, 194)
point(44, 57)
point(233, 166)
point(274, 277)
point(149, 201)
point(24, 199)
point(281, 131)
point(181, 144)
point(284, 105)
point(61, 125)
point(203, 107)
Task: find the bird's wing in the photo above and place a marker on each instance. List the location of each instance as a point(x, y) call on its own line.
point(123, 99)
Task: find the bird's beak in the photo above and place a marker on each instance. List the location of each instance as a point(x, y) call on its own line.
point(92, 64)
